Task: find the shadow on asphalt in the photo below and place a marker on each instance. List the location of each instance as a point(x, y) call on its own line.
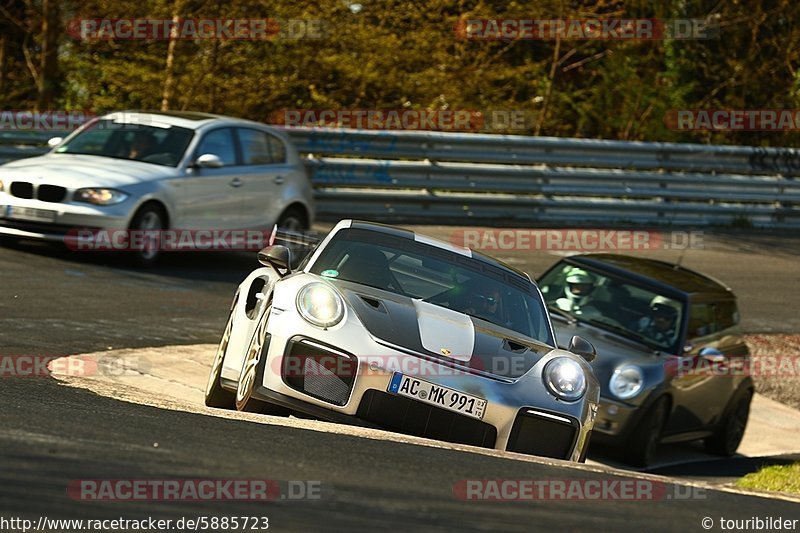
point(724, 470)
point(690, 461)
point(200, 266)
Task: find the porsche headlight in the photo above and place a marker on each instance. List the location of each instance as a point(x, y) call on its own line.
point(320, 305)
point(626, 382)
point(100, 196)
point(565, 378)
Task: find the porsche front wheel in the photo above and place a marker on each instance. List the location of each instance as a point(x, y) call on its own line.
point(253, 372)
point(216, 396)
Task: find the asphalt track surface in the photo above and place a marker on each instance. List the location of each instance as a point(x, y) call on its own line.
point(57, 303)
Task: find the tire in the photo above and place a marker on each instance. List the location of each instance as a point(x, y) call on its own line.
point(150, 217)
point(252, 372)
point(294, 220)
point(642, 446)
point(216, 396)
point(729, 435)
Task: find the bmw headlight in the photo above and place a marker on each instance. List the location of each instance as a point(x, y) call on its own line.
point(565, 378)
point(626, 382)
point(320, 305)
point(100, 196)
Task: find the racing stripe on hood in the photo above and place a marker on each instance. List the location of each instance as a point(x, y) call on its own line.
point(426, 329)
point(444, 331)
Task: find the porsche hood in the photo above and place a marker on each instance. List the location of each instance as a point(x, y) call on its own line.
point(439, 333)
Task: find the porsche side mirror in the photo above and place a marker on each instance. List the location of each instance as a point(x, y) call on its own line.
point(278, 257)
point(580, 346)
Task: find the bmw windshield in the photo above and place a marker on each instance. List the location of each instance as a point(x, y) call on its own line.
point(157, 144)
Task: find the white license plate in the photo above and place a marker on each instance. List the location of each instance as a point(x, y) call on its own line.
point(30, 213)
point(427, 392)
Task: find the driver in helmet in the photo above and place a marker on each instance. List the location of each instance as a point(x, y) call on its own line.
point(578, 293)
point(661, 324)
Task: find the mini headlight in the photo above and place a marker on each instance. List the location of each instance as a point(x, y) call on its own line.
point(626, 382)
point(100, 196)
point(320, 305)
point(565, 378)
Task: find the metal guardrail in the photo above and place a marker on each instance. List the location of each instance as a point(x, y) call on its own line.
point(404, 176)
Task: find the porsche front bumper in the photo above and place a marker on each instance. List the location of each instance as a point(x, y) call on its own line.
point(520, 415)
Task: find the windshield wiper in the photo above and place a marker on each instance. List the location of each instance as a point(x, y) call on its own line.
point(570, 318)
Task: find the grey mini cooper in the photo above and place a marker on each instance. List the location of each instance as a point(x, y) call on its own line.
point(670, 362)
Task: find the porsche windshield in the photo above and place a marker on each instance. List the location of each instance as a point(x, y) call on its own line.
point(608, 303)
point(435, 275)
point(160, 145)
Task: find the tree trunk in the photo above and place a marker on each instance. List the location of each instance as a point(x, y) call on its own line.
point(48, 62)
point(169, 76)
point(3, 62)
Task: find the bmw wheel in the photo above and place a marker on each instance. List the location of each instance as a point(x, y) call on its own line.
point(150, 220)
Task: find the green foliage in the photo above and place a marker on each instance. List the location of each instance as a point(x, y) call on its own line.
point(394, 54)
point(781, 478)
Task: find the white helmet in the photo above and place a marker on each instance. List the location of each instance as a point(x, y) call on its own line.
point(667, 307)
point(580, 285)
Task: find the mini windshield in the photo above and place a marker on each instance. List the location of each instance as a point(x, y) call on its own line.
point(448, 279)
point(612, 304)
point(160, 145)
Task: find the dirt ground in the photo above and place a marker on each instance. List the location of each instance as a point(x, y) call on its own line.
point(776, 366)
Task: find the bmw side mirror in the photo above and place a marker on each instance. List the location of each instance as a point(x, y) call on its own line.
point(54, 141)
point(209, 161)
point(580, 346)
point(278, 257)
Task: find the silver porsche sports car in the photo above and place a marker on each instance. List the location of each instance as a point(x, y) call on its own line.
point(381, 327)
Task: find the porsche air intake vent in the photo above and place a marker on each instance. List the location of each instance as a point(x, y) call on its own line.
point(545, 434)
point(314, 369)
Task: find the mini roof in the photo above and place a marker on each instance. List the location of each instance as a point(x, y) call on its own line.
point(654, 271)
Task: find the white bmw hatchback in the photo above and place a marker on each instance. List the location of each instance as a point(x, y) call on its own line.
point(153, 171)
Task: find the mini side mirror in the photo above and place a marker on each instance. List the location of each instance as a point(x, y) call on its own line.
point(278, 257)
point(580, 346)
point(712, 355)
point(209, 161)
